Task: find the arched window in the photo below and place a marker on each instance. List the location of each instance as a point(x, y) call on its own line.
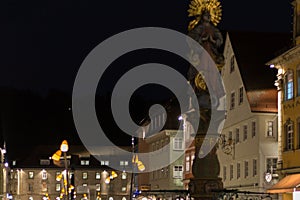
point(289, 135)
point(288, 85)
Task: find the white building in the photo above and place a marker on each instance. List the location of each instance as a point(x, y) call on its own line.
point(248, 150)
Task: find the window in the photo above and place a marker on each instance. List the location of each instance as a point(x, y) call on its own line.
point(230, 135)
point(237, 135)
point(232, 100)
point(270, 131)
point(241, 95)
point(44, 162)
point(98, 175)
point(289, 133)
point(84, 162)
point(271, 164)
point(231, 172)
point(123, 163)
point(246, 169)
point(245, 132)
point(177, 171)
point(178, 142)
point(238, 170)
point(192, 158)
point(187, 163)
point(84, 175)
point(253, 129)
point(124, 189)
point(224, 173)
point(124, 175)
point(44, 175)
point(254, 167)
point(104, 162)
point(288, 85)
point(57, 187)
point(98, 187)
point(31, 175)
point(232, 64)
point(30, 187)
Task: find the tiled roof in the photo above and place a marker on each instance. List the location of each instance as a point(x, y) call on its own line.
point(263, 100)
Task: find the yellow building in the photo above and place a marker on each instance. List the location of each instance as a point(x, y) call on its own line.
point(288, 85)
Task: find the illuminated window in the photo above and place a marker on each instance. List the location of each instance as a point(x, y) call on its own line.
point(289, 85)
point(44, 175)
point(98, 175)
point(124, 175)
point(123, 163)
point(98, 187)
point(187, 163)
point(177, 171)
point(31, 175)
point(57, 187)
point(178, 143)
point(270, 127)
point(84, 162)
point(289, 134)
point(84, 175)
point(104, 162)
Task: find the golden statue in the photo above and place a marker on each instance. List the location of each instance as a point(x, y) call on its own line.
point(207, 14)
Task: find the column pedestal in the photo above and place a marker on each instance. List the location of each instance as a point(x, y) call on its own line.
point(202, 188)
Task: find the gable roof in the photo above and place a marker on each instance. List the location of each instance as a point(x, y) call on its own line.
point(252, 50)
point(263, 100)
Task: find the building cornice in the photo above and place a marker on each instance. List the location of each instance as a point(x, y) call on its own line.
point(286, 57)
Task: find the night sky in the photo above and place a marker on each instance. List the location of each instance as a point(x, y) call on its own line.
point(44, 42)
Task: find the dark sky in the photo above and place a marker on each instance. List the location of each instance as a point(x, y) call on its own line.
point(44, 42)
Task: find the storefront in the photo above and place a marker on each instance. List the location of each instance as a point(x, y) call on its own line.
point(288, 187)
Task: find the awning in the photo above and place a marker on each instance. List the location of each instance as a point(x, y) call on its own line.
point(289, 183)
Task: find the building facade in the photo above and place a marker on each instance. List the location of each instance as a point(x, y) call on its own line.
point(90, 179)
point(248, 146)
point(288, 85)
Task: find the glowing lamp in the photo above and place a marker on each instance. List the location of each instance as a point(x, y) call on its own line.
point(56, 156)
point(64, 147)
point(114, 174)
point(107, 180)
point(140, 166)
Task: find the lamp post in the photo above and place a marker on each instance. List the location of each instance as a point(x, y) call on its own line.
point(136, 163)
point(64, 147)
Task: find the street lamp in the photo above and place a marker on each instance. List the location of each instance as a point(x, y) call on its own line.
point(64, 147)
point(136, 163)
